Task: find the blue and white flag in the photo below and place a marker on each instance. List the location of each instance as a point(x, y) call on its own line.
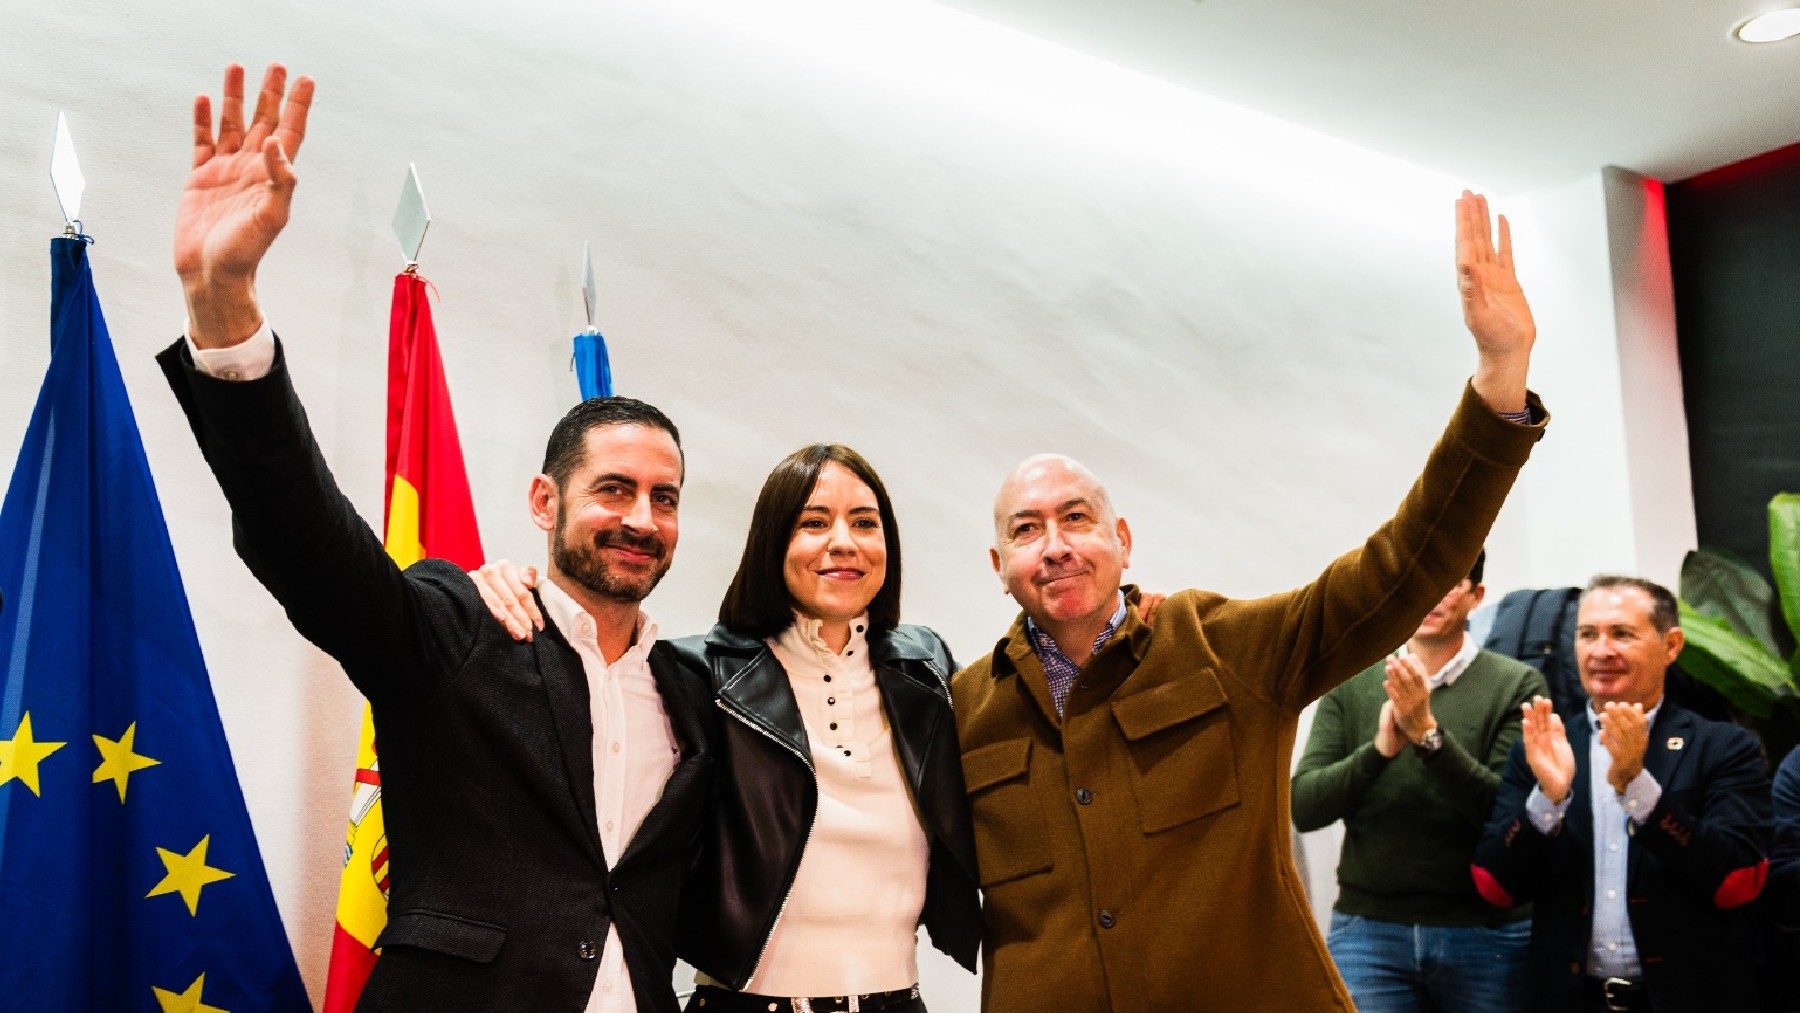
point(593, 367)
point(129, 875)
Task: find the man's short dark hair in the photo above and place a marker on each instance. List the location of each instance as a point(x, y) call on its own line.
point(568, 441)
point(757, 603)
point(1665, 613)
point(1480, 566)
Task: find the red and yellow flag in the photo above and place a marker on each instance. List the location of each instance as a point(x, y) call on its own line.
point(429, 513)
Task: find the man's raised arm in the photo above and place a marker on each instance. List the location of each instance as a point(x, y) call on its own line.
point(292, 525)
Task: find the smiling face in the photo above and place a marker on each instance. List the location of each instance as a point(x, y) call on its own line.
point(614, 522)
point(837, 555)
point(1622, 655)
point(1058, 548)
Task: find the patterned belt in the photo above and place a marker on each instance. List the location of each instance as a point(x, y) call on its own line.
point(713, 999)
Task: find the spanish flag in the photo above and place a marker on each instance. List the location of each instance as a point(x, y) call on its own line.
point(429, 513)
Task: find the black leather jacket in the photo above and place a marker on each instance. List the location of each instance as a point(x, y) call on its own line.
point(766, 797)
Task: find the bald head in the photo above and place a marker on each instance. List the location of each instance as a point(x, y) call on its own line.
point(1059, 547)
point(1042, 469)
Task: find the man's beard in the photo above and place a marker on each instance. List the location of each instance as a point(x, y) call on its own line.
point(586, 566)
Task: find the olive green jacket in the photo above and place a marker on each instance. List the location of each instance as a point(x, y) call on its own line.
point(1134, 854)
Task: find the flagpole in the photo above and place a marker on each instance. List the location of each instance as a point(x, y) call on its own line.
point(593, 367)
point(427, 511)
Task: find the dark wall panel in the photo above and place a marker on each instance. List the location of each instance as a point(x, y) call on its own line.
point(1734, 250)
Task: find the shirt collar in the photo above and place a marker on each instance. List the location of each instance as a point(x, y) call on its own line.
point(802, 637)
point(578, 626)
point(1456, 666)
point(1042, 642)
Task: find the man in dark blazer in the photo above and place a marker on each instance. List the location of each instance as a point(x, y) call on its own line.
point(1639, 834)
point(509, 891)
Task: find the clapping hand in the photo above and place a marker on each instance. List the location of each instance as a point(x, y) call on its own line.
point(1409, 690)
point(1625, 732)
point(1547, 749)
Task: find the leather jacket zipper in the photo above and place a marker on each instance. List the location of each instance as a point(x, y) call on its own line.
point(949, 701)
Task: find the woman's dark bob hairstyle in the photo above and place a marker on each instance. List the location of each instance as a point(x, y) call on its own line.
point(757, 603)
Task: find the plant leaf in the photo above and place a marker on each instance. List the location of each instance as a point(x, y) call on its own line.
point(1743, 670)
point(1718, 584)
point(1784, 554)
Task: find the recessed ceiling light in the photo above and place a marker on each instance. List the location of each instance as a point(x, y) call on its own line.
point(1771, 27)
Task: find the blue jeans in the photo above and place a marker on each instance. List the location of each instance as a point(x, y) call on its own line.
point(1395, 968)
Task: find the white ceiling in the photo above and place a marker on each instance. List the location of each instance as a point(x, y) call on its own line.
point(1511, 94)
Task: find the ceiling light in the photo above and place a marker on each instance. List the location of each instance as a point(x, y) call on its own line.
point(1771, 27)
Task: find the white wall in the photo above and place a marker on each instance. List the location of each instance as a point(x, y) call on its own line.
point(883, 224)
point(1612, 491)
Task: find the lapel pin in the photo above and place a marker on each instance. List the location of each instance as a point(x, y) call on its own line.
point(1676, 742)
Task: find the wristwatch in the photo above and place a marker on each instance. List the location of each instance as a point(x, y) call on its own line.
point(1430, 742)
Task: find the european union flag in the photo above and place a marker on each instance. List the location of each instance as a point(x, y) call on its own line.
point(129, 875)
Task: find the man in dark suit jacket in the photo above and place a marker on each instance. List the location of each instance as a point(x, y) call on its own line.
point(508, 891)
point(1640, 834)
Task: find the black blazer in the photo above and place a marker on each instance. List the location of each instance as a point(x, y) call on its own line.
point(1691, 870)
point(500, 894)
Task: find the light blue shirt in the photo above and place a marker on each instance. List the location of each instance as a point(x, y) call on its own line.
point(1612, 949)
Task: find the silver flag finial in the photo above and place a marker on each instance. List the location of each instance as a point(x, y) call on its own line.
point(588, 295)
point(65, 172)
point(411, 218)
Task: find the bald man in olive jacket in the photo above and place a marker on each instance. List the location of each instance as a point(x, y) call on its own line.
point(1130, 790)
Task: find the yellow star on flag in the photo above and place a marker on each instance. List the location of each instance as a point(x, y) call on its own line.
point(187, 875)
point(119, 760)
point(20, 756)
point(186, 1002)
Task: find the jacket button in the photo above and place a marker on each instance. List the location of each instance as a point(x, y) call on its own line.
point(588, 950)
point(1108, 919)
point(1083, 796)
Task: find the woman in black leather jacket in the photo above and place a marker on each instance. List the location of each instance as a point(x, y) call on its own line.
point(840, 820)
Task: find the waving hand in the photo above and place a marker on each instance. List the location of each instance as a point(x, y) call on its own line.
point(236, 201)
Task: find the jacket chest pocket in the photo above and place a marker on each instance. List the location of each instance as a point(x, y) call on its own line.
point(1011, 839)
point(1178, 743)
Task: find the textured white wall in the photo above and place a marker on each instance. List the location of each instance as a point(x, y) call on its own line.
point(883, 224)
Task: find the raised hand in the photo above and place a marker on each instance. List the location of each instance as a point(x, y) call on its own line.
point(506, 590)
point(1409, 690)
point(1494, 306)
point(1625, 732)
point(236, 201)
point(1547, 749)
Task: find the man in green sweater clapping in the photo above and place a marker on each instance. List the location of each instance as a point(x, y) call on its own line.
point(1408, 754)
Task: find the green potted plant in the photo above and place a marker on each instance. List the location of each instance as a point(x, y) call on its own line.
point(1741, 632)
